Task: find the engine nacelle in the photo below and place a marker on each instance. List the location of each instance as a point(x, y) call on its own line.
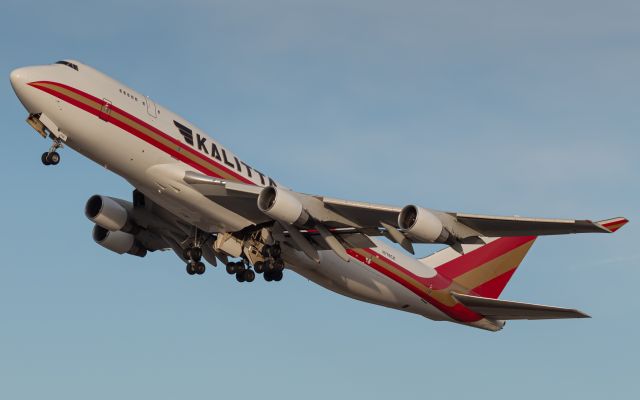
point(422, 224)
point(118, 241)
point(107, 213)
point(282, 205)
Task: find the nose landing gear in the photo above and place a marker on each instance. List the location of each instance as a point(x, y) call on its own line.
point(47, 128)
point(52, 157)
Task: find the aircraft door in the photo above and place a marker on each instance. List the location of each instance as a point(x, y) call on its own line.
point(151, 108)
point(105, 110)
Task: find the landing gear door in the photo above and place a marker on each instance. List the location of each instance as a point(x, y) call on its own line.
point(151, 108)
point(105, 110)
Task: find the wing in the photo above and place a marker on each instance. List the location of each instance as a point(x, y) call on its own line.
point(420, 225)
point(156, 228)
point(520, 226)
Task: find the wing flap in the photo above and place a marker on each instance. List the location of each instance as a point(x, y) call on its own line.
point(510, 310)
point(365, 214)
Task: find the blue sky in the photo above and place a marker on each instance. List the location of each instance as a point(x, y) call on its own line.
point(500, 107)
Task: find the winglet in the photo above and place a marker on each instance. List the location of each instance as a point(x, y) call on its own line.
point(613, 224)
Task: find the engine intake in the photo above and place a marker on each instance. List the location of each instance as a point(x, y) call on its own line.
point(108, 213)
point(282, 205)
point(118, 241)
point(422, 224)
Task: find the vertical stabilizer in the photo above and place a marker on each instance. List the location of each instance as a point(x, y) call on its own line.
point(483, 269)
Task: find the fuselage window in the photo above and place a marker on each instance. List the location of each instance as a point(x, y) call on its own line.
point(68, 64)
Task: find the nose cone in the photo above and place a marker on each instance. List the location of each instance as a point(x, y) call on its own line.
point(19, 81)
point(17, 77)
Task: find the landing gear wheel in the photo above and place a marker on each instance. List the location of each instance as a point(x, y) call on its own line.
point(259, 267)
point(240, 276)
point(267, 276)
point(249, 275)
point(269, 266)
point(231, 268)
point(53, 158)
point(44, 158)
point(278, 265)
point(276, 251)
point(199, 268)
point(277, 276)
point(191, 269)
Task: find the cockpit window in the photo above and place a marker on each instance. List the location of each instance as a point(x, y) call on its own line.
point(68, 64)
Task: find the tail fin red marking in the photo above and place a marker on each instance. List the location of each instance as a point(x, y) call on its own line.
point(486, 270)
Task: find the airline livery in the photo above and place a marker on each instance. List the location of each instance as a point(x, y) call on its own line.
point(196, 197)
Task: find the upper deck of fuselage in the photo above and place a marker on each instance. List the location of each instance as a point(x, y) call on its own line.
point(201, 150)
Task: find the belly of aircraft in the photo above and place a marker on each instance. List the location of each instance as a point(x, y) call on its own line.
point(358, 281)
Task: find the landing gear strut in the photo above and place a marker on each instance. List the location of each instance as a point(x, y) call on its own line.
point(193, 253)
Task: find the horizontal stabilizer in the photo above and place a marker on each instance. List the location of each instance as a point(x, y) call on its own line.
point(507, 310)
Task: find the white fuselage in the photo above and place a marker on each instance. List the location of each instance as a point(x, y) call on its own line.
point(150, 151)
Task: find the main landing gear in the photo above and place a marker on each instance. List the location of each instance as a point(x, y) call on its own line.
point(271, 270)
point(52, 157)
point(194, 265)
point(270, 266)
point(268, 262)
point(273, 266)
point(241, 271)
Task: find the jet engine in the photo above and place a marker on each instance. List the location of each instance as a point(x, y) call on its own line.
point(422, 224)
point(282, 205)
point(108, 213)
point(118, 241)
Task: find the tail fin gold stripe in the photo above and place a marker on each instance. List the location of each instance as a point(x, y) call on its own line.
point(494, 268)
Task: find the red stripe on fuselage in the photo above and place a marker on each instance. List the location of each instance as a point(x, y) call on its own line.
point(140, 134)
point(457, 312)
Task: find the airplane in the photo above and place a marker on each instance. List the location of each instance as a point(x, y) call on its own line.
point(196, 197)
